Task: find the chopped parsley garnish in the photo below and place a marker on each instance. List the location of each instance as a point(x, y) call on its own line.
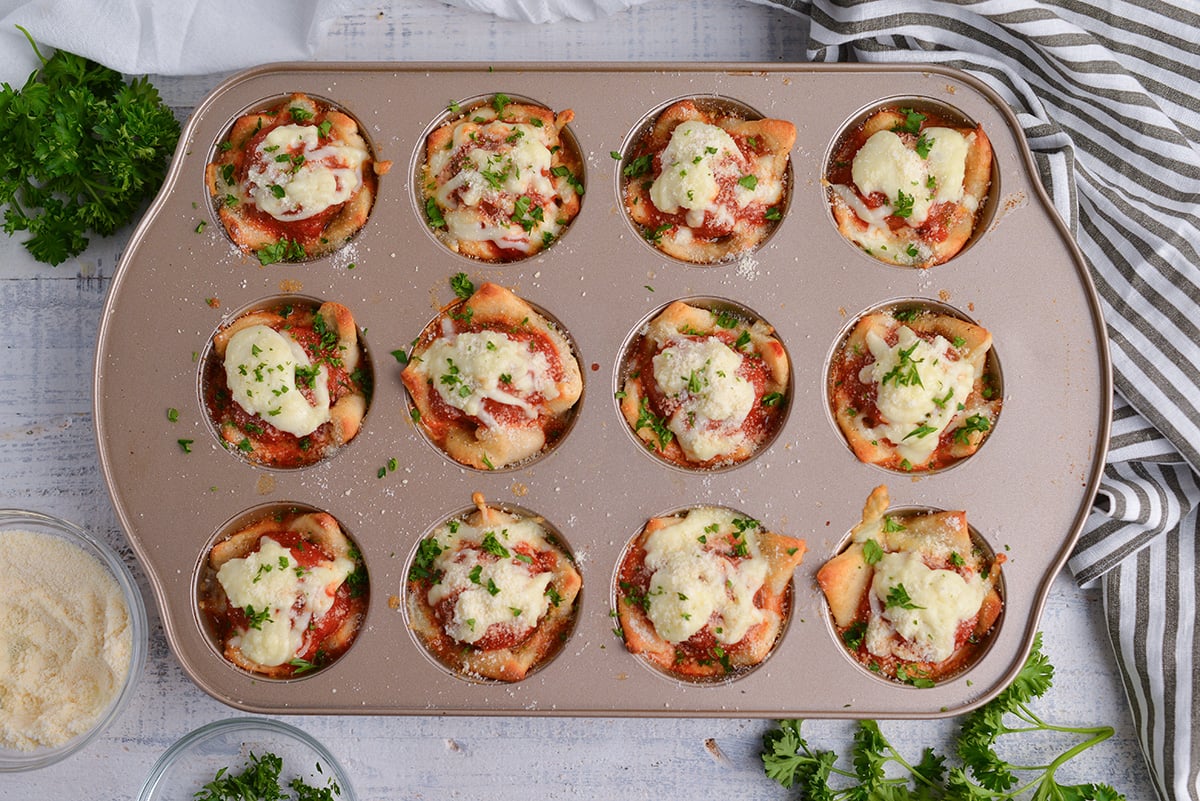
point(433, 213)
point(257, 618)
point(491, 545)
point(422, 566)
point(976, 422)
point(921, 431)
point(499, 102)
point(905, 372)
point(301, 665)
point(904, 204)
point(561, 171)
point(748, 182)
point(854, 635)
point(526, 214)
point(898, 596)
point(259, 780)
point(638, 166)
point(462, 286)
point(655, 234)
point(656, 424)
point(727, 319)
point(924, 144)
point(283, 250)
point(912, 121)
point(872, 553)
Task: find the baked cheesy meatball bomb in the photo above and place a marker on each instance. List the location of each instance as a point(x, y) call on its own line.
point(704, 595)
point(908, 187)
point(704, 185)
point(913, 597)
point(288, 384)
point(295, 181)
point(285, 595)
point(705, 388)
point(501, 182)
point(492, 381)
point(493, 594)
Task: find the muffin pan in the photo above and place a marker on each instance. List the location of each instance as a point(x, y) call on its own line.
point(176, 489)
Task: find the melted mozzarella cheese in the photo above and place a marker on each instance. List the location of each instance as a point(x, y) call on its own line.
point(325, 175)
point(469, 368)
point(270, 580)
point(692, 586)
point(715, 399)
point(885, 165)
point(940, 601)
point(486, 591)
point(691, 161)
point(916, 412)
point(260, 370)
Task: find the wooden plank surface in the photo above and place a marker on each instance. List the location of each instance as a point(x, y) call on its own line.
point(48, 462)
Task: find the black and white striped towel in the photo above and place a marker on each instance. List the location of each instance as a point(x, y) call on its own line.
point(1108, 93)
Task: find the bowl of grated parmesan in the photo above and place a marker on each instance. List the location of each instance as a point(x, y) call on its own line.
point(73, 635)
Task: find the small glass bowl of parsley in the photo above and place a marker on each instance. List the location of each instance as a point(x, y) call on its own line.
point(247, 758)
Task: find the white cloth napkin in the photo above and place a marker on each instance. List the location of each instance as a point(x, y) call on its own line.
point(547, 10)
point(182, 37)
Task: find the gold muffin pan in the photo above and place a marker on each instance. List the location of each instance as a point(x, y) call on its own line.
point(1027, 491)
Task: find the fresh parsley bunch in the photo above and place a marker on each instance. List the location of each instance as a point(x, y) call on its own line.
point(82, 150)
point(982, 776)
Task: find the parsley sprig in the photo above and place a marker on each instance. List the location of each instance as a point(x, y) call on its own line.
point(82, 150)
point(982, 775)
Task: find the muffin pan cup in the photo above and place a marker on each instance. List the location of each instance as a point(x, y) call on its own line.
point(1027, 491)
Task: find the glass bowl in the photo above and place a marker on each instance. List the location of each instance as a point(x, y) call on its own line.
point(14, 520)
point(193, 761)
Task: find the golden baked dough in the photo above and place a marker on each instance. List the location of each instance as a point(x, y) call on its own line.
point(712, 190)
point(704, 595)
point(492, 381)
point(294, 181)
point(908, 188)
point(913, 390)
point(500, 181)
point(912, 596)
point(314, 586)
point(705, 388)
point(492, 595)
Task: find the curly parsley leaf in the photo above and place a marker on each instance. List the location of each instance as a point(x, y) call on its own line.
point(879, 771)
point(83, 150)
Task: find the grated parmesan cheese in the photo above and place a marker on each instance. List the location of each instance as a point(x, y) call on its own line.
point(65, 640)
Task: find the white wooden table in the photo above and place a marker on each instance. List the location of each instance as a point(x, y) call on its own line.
point(48, 462)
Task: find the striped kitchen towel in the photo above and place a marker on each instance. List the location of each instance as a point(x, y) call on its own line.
point(1108, 94)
